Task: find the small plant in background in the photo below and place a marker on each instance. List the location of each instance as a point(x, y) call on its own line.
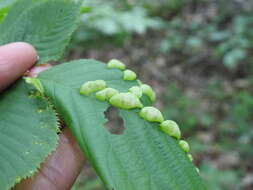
point(226, 38)
point(120, 23)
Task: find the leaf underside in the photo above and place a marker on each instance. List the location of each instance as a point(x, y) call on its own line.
point(141, 158)
point(46, 24)
point(28, 133)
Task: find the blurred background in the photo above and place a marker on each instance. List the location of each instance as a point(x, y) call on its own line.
point(197, 54)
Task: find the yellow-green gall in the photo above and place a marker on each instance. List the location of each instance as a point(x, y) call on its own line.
point(171, 128)
point(106, 94)
point(136, 90)
point(148, 91)
point(197, 170)
point(190, 157)
point(129, 75)
point(151, 114)
point(36, 83)
point(125, 101)
point(92, 86)
point(184, 145)
point(116, 64)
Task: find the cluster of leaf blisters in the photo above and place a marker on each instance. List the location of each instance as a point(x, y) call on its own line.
point(131, 100)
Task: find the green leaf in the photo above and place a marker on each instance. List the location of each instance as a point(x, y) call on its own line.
point(46, 24)
point(142, 158)
point(232, 58)
point(6, 3)
point(4, 8)
point(28, 133)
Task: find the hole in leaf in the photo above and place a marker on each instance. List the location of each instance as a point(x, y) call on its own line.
point(115, 124)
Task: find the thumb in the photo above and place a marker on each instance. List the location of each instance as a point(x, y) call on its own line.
point(15, 59)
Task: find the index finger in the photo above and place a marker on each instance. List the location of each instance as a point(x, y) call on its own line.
point(15, 59)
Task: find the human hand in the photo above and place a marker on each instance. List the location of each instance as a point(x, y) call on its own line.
point(63, 166)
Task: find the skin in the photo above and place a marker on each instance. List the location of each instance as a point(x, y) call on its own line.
point(62, 167)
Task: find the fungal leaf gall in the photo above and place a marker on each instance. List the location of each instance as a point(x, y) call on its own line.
point(151, 114)
point(148, 91)
point(116, 64)
point(184, 145)
point(190, 157)
point(125, 101)
point(106, 94)
point(136, 90)
point(171, 128)
point(129, 75)
point(36, 83)
point(92, 86)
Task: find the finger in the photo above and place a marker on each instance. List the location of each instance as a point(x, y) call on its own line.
point(60, 170)
point(15, 59)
